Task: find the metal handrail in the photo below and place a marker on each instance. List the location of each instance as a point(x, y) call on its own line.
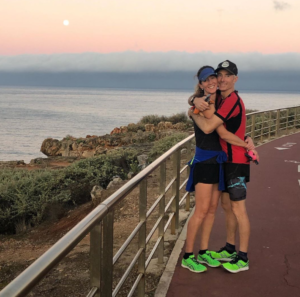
point(99, 221)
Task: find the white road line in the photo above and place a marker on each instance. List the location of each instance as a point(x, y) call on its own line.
point(298, 168)
point(282, 148)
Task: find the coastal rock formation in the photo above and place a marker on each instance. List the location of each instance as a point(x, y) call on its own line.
point(97, 145)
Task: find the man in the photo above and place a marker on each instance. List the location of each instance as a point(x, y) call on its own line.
point(230, 111)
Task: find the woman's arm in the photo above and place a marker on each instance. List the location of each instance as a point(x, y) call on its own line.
point(230, 137)
point(208, 113)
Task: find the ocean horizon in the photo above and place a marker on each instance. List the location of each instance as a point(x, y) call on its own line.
point(28, 115)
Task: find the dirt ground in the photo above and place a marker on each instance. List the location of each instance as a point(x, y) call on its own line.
point(71, 276)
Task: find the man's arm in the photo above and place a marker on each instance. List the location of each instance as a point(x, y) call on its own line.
point(206, 125)
point(198, 102)
point(231, 138)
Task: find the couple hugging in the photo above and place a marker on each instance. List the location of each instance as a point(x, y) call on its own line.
point(220, 168)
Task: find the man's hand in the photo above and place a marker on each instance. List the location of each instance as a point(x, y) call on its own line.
point(201, 104)
point(250, 144)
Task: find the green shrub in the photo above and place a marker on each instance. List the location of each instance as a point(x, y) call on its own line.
point(26, 196)
point(164, 144)
point(155, 119)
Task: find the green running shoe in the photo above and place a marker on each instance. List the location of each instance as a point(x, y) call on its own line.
point(207, 259)
point(223, 255)
point(236, 265)
point(193, 265)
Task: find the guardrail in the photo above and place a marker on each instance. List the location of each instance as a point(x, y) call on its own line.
point(99, 223)
point(265, 125)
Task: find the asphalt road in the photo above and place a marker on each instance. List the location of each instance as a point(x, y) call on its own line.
point(273, 205)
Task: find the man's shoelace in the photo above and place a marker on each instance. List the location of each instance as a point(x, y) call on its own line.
point(235, 259)
point(221, 249)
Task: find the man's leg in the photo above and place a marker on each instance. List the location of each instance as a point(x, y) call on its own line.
point(231, 222)
point(228, 252)
point(239, 210)
point(238, 190)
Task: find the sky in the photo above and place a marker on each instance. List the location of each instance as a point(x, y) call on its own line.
point(132, 36)
point(105, 26)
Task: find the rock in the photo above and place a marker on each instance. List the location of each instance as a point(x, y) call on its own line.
point(161, 125)
point(96, 195)
point(115, 182)
point(149, 127)
point(156, 268)
point(133, 134)
point(130, 175)
point(124, 129)
point(179, 126)
point(142, 159)
point(168, 125)
point(50, 147)
point(183, 151)
point(88, 154)
point(12, 163)
point(115, 131)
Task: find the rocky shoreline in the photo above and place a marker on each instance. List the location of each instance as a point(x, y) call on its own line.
point(61, 153)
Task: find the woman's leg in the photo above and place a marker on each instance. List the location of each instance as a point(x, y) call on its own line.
point(210, 218)
point(203, 194)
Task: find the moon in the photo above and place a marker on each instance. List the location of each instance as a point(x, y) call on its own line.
point(66, 23)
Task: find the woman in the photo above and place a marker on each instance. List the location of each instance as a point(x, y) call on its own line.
point(206, 176)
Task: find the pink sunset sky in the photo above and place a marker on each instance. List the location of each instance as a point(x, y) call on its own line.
point(106, 26)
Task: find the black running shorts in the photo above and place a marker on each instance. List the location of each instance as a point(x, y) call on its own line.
point(206, 173)
point(236, 188)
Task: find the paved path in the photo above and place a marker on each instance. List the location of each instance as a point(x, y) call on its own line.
point(273, 205)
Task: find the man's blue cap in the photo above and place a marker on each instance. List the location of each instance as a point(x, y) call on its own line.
point(205, 73)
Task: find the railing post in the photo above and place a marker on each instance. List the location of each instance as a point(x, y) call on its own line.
point(175, 191)
point(107, 255)
point(262, 127)
point(269, 124)
point(189, 157)
point(253, 126)
point(95, 257)
point(287, 121)
point(277, 122)
point(162, 205)
point(142, 235)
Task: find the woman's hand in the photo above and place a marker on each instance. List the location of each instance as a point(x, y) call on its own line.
point(250, 145)
point(201, 104)
point(255, 153)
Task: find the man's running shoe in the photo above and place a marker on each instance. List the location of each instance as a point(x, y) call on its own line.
point(193, 265)
point(223, 255)
point(207, 259)
point(236, 265)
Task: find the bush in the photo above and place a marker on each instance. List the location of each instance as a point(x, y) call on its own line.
point(26, 196)
point(155, 119)
point(162, 145)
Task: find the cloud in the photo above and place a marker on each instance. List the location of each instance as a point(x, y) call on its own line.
point(280, 5)
point(136, 62)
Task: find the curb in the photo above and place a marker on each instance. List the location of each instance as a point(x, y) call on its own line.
point(165, 280)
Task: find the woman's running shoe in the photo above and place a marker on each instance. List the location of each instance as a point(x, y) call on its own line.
point(208, 259)
point(193, 265)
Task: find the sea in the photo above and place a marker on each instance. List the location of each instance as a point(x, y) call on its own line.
point(29, 115)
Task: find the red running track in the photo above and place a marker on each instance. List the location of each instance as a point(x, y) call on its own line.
point(273, 205)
